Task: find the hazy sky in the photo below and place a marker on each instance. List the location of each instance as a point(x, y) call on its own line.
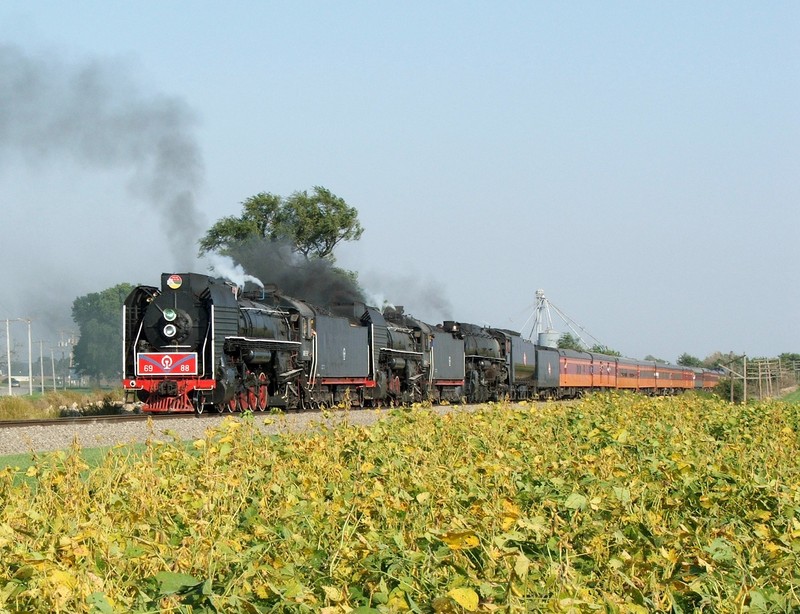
point(638, 161)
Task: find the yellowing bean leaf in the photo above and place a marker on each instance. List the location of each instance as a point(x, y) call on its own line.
point(461, 540)
point(465, 597)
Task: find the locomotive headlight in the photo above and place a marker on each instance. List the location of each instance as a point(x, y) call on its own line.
point(170, 315)
point(170, 330)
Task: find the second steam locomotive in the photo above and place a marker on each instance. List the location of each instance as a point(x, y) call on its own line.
point(199, 341)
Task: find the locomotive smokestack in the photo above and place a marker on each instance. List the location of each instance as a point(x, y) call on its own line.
point(450, 326)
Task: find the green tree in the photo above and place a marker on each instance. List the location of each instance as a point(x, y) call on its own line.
point(317, 223)
point(712, 361)
point(99, 349)
point(568, 342)
point(313, 224)
point(687, 360)
point(604, 349)
point(257, 221)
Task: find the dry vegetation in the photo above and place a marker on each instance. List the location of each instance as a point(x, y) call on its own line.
point(614, 504)
point(57, 403)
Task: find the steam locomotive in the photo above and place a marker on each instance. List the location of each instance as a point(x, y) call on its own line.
point(200, 341)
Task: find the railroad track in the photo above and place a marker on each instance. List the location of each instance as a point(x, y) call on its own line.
point(136, 417)
point(126, 417)
point(120, 418)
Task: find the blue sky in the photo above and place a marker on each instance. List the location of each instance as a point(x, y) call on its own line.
point(637, 161)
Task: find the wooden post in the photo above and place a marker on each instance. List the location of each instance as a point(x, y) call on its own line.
point(744, 381)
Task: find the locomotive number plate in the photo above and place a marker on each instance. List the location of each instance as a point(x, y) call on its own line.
point(171, 363)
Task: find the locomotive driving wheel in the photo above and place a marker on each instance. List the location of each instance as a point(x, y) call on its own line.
point(248, 398)
point(248, 393)
point(263, 391)
point(199, 402)
point(229, 406)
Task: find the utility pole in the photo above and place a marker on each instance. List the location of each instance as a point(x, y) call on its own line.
point(743, 375)
point(744, 386)
point(53, 365)
point(8, 352)
point(30, 363)
point(8, 356)
point(41, 364)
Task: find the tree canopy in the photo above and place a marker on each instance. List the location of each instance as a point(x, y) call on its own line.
point(569, 342)
point(99, 350)
point(313, 224)
point(687, 360)
point(598, 348)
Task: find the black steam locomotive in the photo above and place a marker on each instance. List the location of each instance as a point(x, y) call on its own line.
point(200, 341)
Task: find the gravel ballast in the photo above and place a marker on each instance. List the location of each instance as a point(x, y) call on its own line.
point(25, 439)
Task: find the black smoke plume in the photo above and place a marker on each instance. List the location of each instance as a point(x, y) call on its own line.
point(93, 114)
point(316, 281)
